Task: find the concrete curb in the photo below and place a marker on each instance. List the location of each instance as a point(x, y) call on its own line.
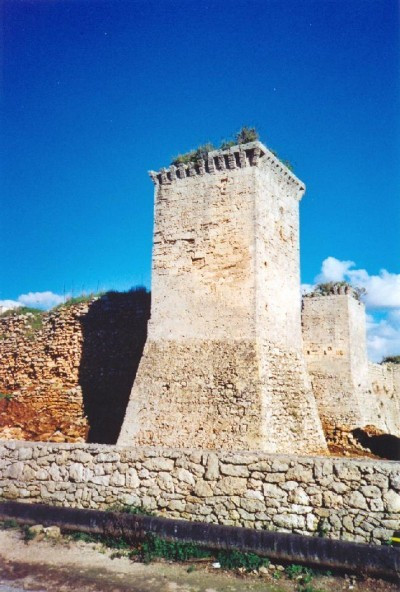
point(321, 553)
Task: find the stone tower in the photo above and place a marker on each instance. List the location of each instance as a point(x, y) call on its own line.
point(223, 366)
point(335, 349)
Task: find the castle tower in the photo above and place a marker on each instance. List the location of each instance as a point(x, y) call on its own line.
point(223, 365)
point(335, 348)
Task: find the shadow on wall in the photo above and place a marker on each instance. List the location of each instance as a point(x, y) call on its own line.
point(114, 333)
point(383, 445)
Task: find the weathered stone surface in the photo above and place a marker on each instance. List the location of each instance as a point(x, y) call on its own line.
point(222, 348)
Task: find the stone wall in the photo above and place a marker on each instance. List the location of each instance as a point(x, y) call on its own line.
point(335, 349)
point(223, 365)
point(385, 386)
point(66, 376)
point(351, 499)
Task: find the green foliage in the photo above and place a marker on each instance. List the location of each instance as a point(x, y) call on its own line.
point(303, 575)
point(227, 144)
point(153, 547)
point(72, 300)
point(34, 317)
point(194, 155)
point(6, 396)
point(134, 510)
point(86, 537)
point(391, 360)
point(118, 543)
point(7, 524)
point(28, 534)
point(322, 529)
point(246, 134)
point(235, 559)
point(329, 288)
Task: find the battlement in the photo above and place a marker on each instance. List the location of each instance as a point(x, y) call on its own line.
point(241, 156)
point(336, 290)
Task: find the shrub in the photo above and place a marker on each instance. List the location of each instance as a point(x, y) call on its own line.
point(391, 360)
point(236, 559)
point(246, 134)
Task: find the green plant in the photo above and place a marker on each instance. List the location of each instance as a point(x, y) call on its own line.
point(329, 288)
point(28, 534)
point(86, 537)
point(7, 524)
point(246, 134)
point(235, 559)
point(322, 529)
point(126, 509)
point(34, 318)
point(7, 396)
point(391, 360)
point(153, 546)
point(303, 575)
point(72, 300)
point(191, 569)
point(194, 155)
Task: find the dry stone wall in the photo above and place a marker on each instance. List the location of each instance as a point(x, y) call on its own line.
point(351, 499)
point(68, 377)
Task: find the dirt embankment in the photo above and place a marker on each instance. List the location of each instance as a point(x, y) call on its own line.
point(50, 563)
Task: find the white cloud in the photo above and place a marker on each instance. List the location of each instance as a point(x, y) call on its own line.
point(382, 294)
point(383, 336)
point(333, 270)
point(40, 299)
point(34, 299)
point(8, 304)
point(383, 290)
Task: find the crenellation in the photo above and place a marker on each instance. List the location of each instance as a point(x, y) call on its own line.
point(242, 158)
point(231, 160)
point(221, 162)
point(202, 166)
point(181, 171)
point(172, 170)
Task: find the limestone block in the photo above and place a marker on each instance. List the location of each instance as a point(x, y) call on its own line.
point(231, 486)
point(159, 464)
point(392, 501)
point(203, 489)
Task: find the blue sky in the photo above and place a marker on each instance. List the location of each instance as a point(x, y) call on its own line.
point(96, 93)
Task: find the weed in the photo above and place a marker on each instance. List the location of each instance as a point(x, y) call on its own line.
point(134, 510)
point(7, 524)
point(277, 574)
point(7, 396)
point(153, 547)
point(71, 301)
point(303, 575)
point(86, 537)
point(246, 134)
point(28, 534)
point(235, 559)
point(191, 569)
point(322, 529)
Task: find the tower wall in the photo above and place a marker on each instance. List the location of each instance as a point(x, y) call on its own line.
point(335, 349)
point(223, 365)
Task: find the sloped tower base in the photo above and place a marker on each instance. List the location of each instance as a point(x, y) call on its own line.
point(216, 394)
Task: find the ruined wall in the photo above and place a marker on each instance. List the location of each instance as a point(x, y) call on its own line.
point(385, 386)
point(223, 365)
point(339, 498)
point(351, 393)
point(67, 376)
point(334, 337)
